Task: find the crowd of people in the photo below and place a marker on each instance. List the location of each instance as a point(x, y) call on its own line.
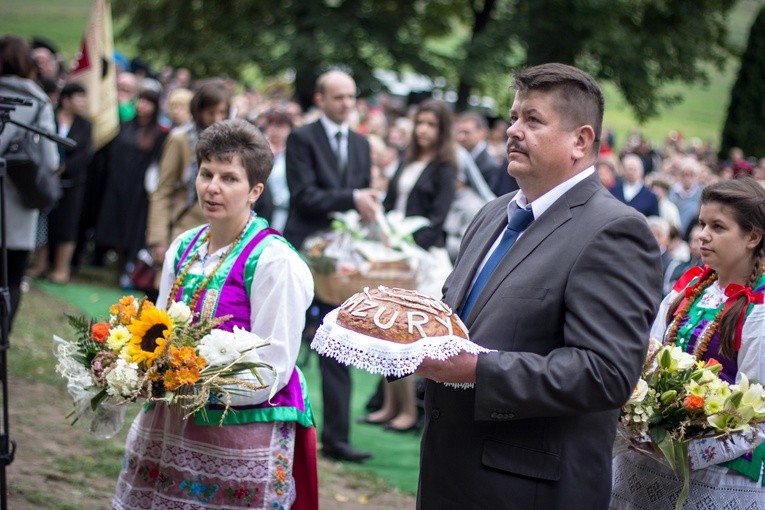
point(207, 197)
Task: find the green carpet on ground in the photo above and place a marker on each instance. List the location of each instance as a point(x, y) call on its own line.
point(93, 300)
point(396, 457)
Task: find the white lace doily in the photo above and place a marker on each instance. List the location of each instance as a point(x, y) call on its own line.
point(384, 357)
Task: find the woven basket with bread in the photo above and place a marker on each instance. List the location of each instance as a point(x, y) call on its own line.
point(354, 255)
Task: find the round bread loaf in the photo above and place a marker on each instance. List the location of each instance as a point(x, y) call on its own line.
point(398, 315)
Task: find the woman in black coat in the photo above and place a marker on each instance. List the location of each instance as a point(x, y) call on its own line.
point(64, 218)
point(122, 221)
point(424, 183)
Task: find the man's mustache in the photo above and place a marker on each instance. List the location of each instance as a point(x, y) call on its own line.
point(514, 146)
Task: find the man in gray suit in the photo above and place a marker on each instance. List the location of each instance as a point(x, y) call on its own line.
point(567, 310)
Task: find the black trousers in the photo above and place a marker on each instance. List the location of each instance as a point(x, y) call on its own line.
point(17, 264)
point(336, 394)
point(335, 387)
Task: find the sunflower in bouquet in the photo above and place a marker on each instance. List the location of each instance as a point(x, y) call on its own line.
point(144, 352)
point(679, 399)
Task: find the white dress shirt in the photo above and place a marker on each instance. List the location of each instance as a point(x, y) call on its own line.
point(538, 207)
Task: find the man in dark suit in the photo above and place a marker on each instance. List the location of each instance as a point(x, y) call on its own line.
point(472, 134)
point(472, 131)
point(328, 170)
point(631, 188)
point(566, 311)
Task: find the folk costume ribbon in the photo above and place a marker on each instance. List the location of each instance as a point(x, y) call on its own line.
point(700, 273)
point(734, 291)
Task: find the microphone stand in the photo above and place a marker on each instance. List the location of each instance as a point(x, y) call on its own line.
point(8, 447)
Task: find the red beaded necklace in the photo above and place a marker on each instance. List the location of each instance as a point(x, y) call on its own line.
point(703, 342)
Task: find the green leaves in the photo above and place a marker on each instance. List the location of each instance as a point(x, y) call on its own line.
point(640, 46)
point(676, 453)
point(745, 122)
point(82, 326)
point(98, 398)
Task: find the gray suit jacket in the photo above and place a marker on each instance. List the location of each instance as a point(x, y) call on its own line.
point(568, 311)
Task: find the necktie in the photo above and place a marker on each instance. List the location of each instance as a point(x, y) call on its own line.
point(339, 153)
point(519, 220)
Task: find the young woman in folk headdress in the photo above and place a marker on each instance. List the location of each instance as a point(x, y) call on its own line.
point(264, 455)
point(713, 312)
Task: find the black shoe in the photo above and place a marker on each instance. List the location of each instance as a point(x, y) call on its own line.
point(345, 452)
point(365, 420)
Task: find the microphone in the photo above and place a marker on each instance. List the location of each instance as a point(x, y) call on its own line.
point(61, 140)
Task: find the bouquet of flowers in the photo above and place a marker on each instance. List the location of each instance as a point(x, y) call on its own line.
point(143, 352)
point(680, 402)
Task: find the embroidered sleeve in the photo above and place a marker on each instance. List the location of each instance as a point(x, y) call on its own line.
point(751, 356)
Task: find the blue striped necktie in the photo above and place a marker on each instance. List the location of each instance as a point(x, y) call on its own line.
point(518, 221)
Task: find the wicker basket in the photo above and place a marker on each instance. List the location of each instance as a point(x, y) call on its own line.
point(335, 288)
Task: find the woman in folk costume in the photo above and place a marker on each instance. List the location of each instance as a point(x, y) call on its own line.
point(264, 455)
point(713, 312)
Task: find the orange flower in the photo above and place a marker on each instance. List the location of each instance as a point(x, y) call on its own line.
point(124, 310)
point(180, 356)
point(693, 403)
point(188, 376)
point(171, 380)
point(100, 332)
point(712, 362)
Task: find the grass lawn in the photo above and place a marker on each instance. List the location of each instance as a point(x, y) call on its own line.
point(701, 113)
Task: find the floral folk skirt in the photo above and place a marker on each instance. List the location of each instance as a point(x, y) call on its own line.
point(174, 464)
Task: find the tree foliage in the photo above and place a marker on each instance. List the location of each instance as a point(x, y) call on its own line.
point(223, 37)
point(745, 123)
point(640, 45)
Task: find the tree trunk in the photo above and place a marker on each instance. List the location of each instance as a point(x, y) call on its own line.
point(480, 20)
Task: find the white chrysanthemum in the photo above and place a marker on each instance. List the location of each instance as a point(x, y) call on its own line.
point(122, 380)
point(118, 337)
point(694, 388)
point(717, 388)
point(639, 393)
point(713, 404)
point(179, 312)
point(218, 348)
